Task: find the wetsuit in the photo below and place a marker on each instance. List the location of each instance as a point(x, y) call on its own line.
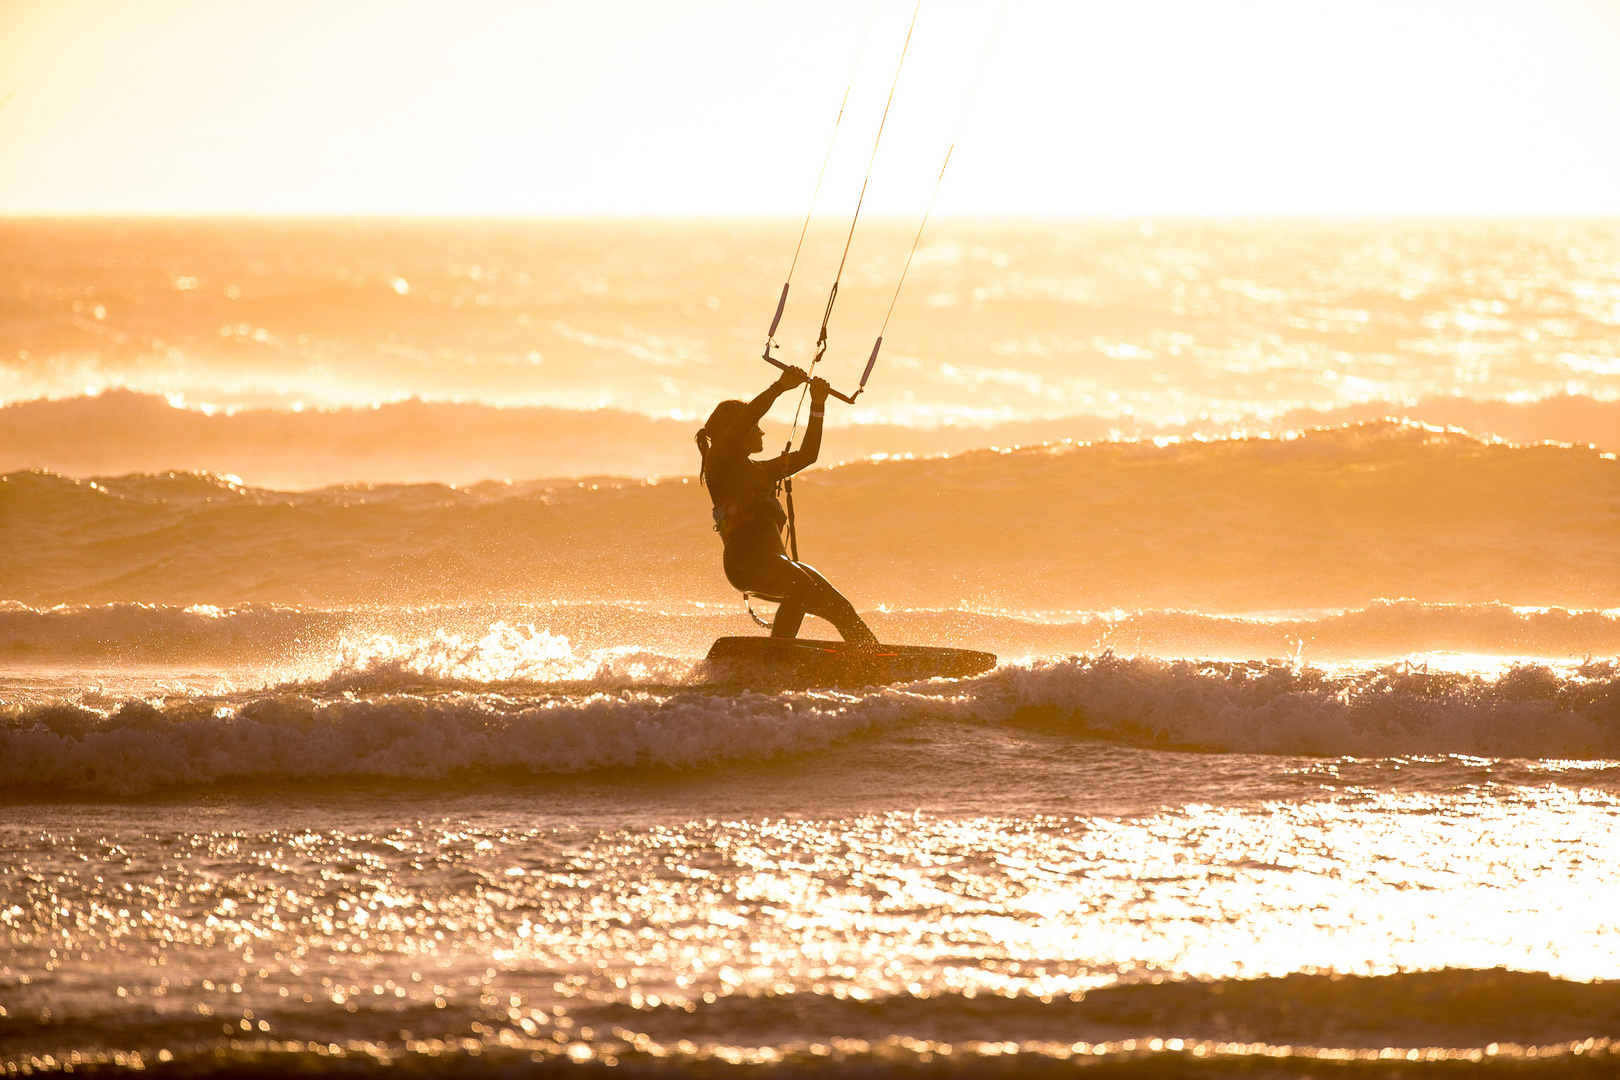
point(749, 519)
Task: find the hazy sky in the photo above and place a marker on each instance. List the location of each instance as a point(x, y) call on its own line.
point(1151, 107)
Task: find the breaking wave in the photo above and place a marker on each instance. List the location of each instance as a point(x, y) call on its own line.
point(141, 747)
point(1529, 711)
point(325, 730)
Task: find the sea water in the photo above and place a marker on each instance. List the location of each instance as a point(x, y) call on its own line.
point(1303, 756)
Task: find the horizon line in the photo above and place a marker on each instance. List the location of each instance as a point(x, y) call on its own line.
point(786, 218)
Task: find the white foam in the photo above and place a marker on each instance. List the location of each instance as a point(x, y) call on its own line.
point(1531, 711)
point(140, 748)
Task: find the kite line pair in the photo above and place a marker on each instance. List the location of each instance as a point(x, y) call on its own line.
point(832, 293)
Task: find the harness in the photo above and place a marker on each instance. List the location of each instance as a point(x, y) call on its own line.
point(733, 514)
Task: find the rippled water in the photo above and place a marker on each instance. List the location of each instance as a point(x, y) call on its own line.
point(745, 910)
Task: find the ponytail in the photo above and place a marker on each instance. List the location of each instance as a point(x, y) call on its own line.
point(724, 415)
point(703, 443)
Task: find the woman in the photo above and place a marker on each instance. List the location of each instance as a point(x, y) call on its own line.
point(749, 518)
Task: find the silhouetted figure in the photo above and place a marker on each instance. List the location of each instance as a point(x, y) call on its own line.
point(749, 518)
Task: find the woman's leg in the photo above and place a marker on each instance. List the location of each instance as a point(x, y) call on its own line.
point(802, 590)
point(814, 594)
point(789, 617)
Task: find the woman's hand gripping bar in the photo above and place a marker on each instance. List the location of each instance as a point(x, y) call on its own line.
point(846, 398)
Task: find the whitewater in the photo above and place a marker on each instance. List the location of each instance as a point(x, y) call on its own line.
point(520, 701)
point(354, 718)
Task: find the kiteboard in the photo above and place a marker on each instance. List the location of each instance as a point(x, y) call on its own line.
point(807, 662)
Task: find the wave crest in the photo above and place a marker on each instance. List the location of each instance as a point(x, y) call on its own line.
point(1277, 708)
point(1333, 518)
point(141, 747)
point(1273, 708)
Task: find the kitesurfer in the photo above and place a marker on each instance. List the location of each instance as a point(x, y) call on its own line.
point(749, 517)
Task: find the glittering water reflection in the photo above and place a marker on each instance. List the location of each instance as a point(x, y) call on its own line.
point(466, 929)
point(1220, 322)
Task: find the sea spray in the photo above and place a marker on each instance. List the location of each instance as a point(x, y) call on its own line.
point(319, 640)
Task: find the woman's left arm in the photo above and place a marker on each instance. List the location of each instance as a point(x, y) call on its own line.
point(810, 448)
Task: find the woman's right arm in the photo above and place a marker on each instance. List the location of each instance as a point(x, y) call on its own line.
point(725, 442)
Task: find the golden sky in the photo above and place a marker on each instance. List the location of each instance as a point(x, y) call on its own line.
point(702, 107)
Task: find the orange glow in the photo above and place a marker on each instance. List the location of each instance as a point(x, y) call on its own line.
point(394, 497)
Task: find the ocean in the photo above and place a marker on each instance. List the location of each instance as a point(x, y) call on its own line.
point(356, 583)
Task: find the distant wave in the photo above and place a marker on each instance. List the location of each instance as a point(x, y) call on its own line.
point(571, 642)
point(415, 441)
point(1384, 629)
point(1333, 518)
point(119, 432)
point(155, 633)
point(1561, 418)
point(314, 731)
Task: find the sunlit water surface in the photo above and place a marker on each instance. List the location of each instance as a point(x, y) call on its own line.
point(576, 916)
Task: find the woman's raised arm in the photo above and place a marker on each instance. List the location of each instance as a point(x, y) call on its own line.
point(810, 449)
point(725, 442)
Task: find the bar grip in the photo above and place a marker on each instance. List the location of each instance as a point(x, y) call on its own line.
point(780, 305)
point(871, 362)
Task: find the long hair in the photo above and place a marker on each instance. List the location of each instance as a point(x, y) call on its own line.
point(724, 413)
